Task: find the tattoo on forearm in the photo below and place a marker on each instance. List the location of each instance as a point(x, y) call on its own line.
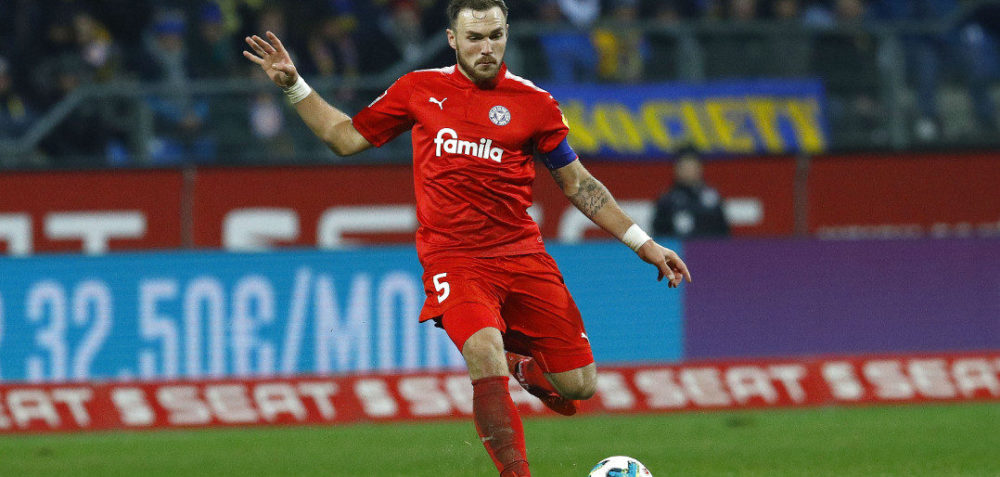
point(591, 197)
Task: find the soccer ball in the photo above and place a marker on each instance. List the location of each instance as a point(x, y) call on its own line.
point(620, 466)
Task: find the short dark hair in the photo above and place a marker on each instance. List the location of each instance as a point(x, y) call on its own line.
point(456, 6)
point(687, 150)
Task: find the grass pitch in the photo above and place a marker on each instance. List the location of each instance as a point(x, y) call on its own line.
point(943, 440)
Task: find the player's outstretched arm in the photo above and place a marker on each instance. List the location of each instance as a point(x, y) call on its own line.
point(330, 124)
point(596, 202)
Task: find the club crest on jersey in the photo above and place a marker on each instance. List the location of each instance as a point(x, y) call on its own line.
point(453, 145)
point(499, 115)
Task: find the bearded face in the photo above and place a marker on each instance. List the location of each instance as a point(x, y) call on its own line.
point(479, 39)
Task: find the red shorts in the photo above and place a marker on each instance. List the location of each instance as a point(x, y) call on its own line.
point(523, 296)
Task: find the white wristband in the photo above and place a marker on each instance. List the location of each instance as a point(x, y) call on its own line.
point(634, 237)
point(298, 91)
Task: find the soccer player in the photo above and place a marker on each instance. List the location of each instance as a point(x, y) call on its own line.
point(489, 282)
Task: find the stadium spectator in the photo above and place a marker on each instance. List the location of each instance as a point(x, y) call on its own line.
point(744, 53)
point(105, 60)
point(222, 127)
point(925, 54)
point(622, 48)
point(569, 54)
point(333, 50)
point(212, 58)
point(15, 113)
point(109, 36)
point(793, 47)
point(848, 64)
point(965, 48)
point(402, 22)
point(268, 122)
point(86, 132)
point(664, 59)
point(271, 17)
point(180, 117)
point(97, 47)
point(263, 113)
point(690, 208)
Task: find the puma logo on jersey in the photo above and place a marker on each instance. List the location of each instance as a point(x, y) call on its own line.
point(439, 103)
point(453, 145)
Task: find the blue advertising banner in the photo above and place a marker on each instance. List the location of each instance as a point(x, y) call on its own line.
point(721, 118)
point(213, 314)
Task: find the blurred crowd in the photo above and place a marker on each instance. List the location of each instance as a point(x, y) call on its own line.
point(50, 48)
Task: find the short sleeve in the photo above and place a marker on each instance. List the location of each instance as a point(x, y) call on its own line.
point(553, 128)
point(388, 115)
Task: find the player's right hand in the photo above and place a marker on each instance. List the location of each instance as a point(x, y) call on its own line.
point(273, 59)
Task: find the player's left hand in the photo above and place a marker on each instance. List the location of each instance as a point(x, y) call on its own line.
point(666, 261)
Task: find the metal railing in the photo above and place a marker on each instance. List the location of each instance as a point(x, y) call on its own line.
point(873, 102)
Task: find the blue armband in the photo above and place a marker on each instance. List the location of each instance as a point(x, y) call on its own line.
point(560, 156)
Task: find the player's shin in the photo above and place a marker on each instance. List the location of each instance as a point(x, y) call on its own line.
point(499, 426)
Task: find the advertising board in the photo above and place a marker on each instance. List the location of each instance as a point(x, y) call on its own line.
point(92, 211)
point(341, 399)
point(215, 314)
point(330, 207)
point(800, 297)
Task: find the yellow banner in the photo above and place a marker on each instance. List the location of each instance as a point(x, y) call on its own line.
point(657, 120)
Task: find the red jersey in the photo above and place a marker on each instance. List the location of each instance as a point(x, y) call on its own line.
point(473, 157)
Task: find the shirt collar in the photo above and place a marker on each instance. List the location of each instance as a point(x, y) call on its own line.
point(460, 77)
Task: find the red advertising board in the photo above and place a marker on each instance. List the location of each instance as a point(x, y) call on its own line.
point(845, 380)
point(879, 196)
point(329, 206)
point(93, 211)
point(289, 204)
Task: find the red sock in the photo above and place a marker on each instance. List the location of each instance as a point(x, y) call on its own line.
point(534, 375)
point(499, 426)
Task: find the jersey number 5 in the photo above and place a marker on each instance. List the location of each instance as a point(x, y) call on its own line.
point(442, 287)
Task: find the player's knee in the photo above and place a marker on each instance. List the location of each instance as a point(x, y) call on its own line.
point(484, 355)
point(481, 351)
point(578, 384)
point(580, 391)
point(481, 345)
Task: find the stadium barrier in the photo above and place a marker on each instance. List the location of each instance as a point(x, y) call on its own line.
point(890, 196)
point(696, 386)
point(216, 338)
point(202, 315)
